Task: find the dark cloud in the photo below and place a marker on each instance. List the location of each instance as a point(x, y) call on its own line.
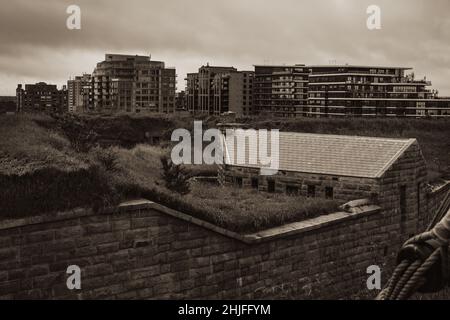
point(36, 45)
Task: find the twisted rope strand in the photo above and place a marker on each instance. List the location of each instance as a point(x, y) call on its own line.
point(404, 295)
point(404, 279)
point(425, 236)
point(419, 273)
point(387, 291)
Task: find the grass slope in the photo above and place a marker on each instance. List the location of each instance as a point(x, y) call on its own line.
point(40, 172)
point(241, 210)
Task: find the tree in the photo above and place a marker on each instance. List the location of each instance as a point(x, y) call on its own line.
point(175, 177)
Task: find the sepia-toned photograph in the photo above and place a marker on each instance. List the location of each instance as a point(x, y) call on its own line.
point(232, 159)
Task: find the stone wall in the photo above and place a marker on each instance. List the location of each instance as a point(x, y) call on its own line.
point(409, 172)
point(143, 250)
point(344, 188)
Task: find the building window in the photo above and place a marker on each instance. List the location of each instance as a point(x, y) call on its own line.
point(402, 192)
point(311, 191)
point(238, 182)
point(329, 192)
point(271, 186)
point(255, 183)
point(292, 190)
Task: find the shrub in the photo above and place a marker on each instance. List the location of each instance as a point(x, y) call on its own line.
point(174, 176)
point(50, 190)
point(106, 157)
point(80, 133)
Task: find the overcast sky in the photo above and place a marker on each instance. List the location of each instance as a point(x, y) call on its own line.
point(36, 45)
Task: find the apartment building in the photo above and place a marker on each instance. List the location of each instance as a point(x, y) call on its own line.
point(217, 90)
point(192, 92)
point(77, 89)
point(180, 101)
point(347, 90)
point(168, 91)
point(41, 97)
point(133, 83)
point(281, 90)
point(232, 92)
point(206, 75)
point(87, 93)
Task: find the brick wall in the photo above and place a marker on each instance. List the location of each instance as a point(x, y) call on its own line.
point(143, 250)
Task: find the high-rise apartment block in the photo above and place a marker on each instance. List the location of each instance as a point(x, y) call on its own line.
point(41, 97)
point(206, 76)
point(232, 92)
point(192, 92)
point(78, 91)
point(371, 91)
point(218, 90)
point(281, 90)
point(133, 83)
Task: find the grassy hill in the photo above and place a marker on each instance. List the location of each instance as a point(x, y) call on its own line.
point(433, 135)
point(40, 171)
point(50, 164)
point(47, 165)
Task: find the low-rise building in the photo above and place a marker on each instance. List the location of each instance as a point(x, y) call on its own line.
point(391, 172)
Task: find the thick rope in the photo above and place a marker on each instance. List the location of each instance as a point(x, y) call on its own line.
point(404, 295)
point(423, 237)
point(409, 276)
point(418, 277)
point(404, 278)
point(386, 292)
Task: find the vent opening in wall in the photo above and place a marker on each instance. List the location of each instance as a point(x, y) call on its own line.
point(239, 182)
point(311, 191)
point(329, 193)
point(402, 192)
point(271, 186)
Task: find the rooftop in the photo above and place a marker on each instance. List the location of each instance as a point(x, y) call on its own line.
point(217, 68)
point(353, 156)
point(280, 65)
point(117, 56)
point(357, 66)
